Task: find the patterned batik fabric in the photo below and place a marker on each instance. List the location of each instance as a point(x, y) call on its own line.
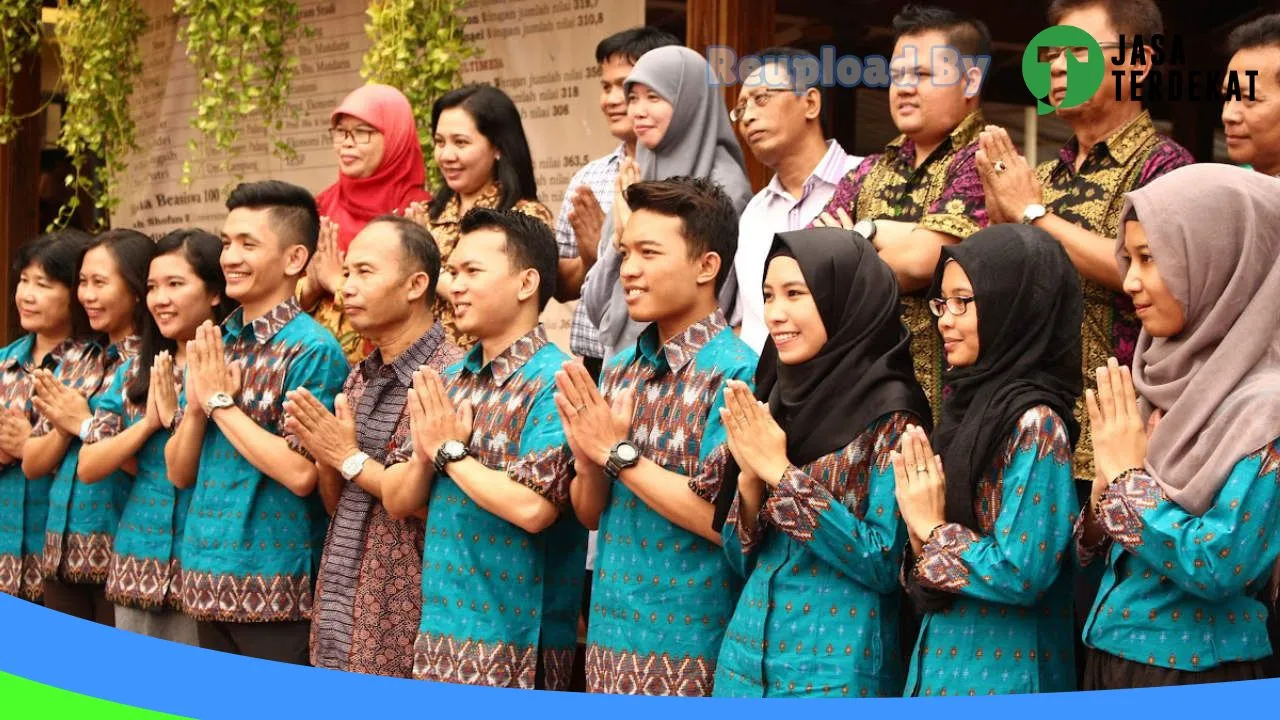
point(1180, 591)
point(82, 518)
point(598, 176)
point(251, 546)
point(1011, 628)
point(944, 194)
point(662, 596)
point(1093, 198)
point(144, 572)
point(818, 615)
point(490, 590)
point(369, 588)
point(446, 230)
point(24, 504)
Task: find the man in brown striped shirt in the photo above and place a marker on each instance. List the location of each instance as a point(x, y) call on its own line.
point(368, 594)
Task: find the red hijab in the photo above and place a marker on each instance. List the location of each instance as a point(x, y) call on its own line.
point(398, 180)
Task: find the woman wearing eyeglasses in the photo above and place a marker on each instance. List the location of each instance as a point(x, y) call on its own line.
point(989, 500)
point(380, 170)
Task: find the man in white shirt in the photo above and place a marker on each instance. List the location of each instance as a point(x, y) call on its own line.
point(782, 124)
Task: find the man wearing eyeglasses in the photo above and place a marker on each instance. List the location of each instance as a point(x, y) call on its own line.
point(784, 127)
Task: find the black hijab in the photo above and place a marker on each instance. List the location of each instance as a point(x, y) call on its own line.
point(1029, 304)
point(863, 371)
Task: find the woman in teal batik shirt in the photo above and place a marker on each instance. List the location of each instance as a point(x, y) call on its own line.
point(1186, 515)
point(814, 527)
point(990, 515)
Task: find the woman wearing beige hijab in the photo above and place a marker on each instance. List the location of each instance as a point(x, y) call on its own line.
point(1186, 504)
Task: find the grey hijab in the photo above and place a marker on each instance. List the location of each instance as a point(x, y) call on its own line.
point(699, 142)
point(1214, 231)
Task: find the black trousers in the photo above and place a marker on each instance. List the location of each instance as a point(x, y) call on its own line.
point(285, 642)
point(87, 601)
point(1104, 671)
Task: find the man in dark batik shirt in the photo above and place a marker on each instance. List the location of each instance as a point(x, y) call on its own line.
point(368, 592)
point(923, 191)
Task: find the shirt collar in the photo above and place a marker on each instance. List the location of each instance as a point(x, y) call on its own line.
point(963, 134)
point(125, 349)
point(679, 350)
point(21, 355)
point(830, 169)
point(452, 212)
point(265, 327)
point(414, 357)
point(509, 360)
point(1120, 145)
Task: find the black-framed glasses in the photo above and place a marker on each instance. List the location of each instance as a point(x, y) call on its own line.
point(956, 304)
point(759, 100)
point(362, 136)
point(1050, 53)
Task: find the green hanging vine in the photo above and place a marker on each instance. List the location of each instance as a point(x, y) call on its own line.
point(19, 37)
point(98, 43)
point(242, 53)
point(418, 47)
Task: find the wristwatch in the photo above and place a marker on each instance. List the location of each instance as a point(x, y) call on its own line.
point(623, 455)
point(866, 228)
point(217, 402)
point(1034, 212)
point(450, 452)
point(84, 428)
point(352, 466)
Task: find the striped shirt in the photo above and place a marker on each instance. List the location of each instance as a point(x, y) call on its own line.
point(599, 175)
point(367, 552)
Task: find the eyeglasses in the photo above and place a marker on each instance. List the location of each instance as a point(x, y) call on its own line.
point(956, 304)
point(1050, 53)
point(362, 136)
point(759, 100)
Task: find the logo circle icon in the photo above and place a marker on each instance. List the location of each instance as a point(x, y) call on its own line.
point(1084, 77)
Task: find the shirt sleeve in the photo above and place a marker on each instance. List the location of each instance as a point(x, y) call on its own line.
point(545, 464)
point(860, 534)
point(566, 244)
point(1226, 552)
point(1167, 157)
point(845, 195)
point(961, 210)
point(713, 449)
point(1022, 556)
point(739, 545)
point(320, 368)
point(109, 417)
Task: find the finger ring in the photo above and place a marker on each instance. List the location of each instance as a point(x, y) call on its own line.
point(1000, 166)
point(920, 469)
point(580, 408)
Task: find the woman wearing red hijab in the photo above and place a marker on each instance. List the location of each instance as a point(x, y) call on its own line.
point(380, 169)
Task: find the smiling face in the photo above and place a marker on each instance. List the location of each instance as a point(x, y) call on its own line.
point(1253, 125)
point(613, 96)
point(660, 280)
point(924, 104)
point(357, 160)
point(44, 304)
point(1161, 314)
point(105, 295)
point(791, 314)
point(650, 114)
point(959, 332)
point(380, 291)
point(464, 155)
point(486, 291)
point(256, 262)
point(177, 298)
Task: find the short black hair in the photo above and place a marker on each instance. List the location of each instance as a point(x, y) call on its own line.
point(1261, 33)
point(788, 56)
point(631, 43)
point(292, 210)
point(709, 222)
point(965, 33)
point(418, 247)
point(1128, 17)
point(58, 254)
point(530, 244)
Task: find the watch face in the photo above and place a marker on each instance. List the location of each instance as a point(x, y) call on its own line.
point(454, 449)
point(865, 228)
point(627, 452)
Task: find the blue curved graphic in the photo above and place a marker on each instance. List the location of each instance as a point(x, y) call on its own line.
point(100, 662)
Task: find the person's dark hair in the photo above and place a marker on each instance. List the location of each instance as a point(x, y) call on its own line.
point(631, 43)
point(58, 254)
point(708, 221)
point(418, 247)
point(965, 33)
point(498, 120)
point(530, 244)
point(201, 250)
point(1128, 17)
point(294, 216)
point(787, 56)
point(132, 252)
point(1261, 33)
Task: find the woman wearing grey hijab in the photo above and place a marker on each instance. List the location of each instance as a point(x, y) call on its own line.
point(1185, 507)
point(687, 133)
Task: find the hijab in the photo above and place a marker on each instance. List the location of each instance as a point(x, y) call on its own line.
point(863, 371)
point(699, 142)
point(1029, 303)
point(398, 180)
point(1214, 231)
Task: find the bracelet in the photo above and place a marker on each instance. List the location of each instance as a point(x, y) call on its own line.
point(84, 428)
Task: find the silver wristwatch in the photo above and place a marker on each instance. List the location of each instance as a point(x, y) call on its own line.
point(352, 466)
point(217, 402)
point(866, 228)
point(1033, 212)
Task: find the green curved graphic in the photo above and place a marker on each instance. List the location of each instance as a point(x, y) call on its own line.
point(1083, 78)
point(23, 699)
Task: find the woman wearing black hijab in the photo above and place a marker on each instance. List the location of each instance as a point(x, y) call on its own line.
point(988, 537)
point(814, 525)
